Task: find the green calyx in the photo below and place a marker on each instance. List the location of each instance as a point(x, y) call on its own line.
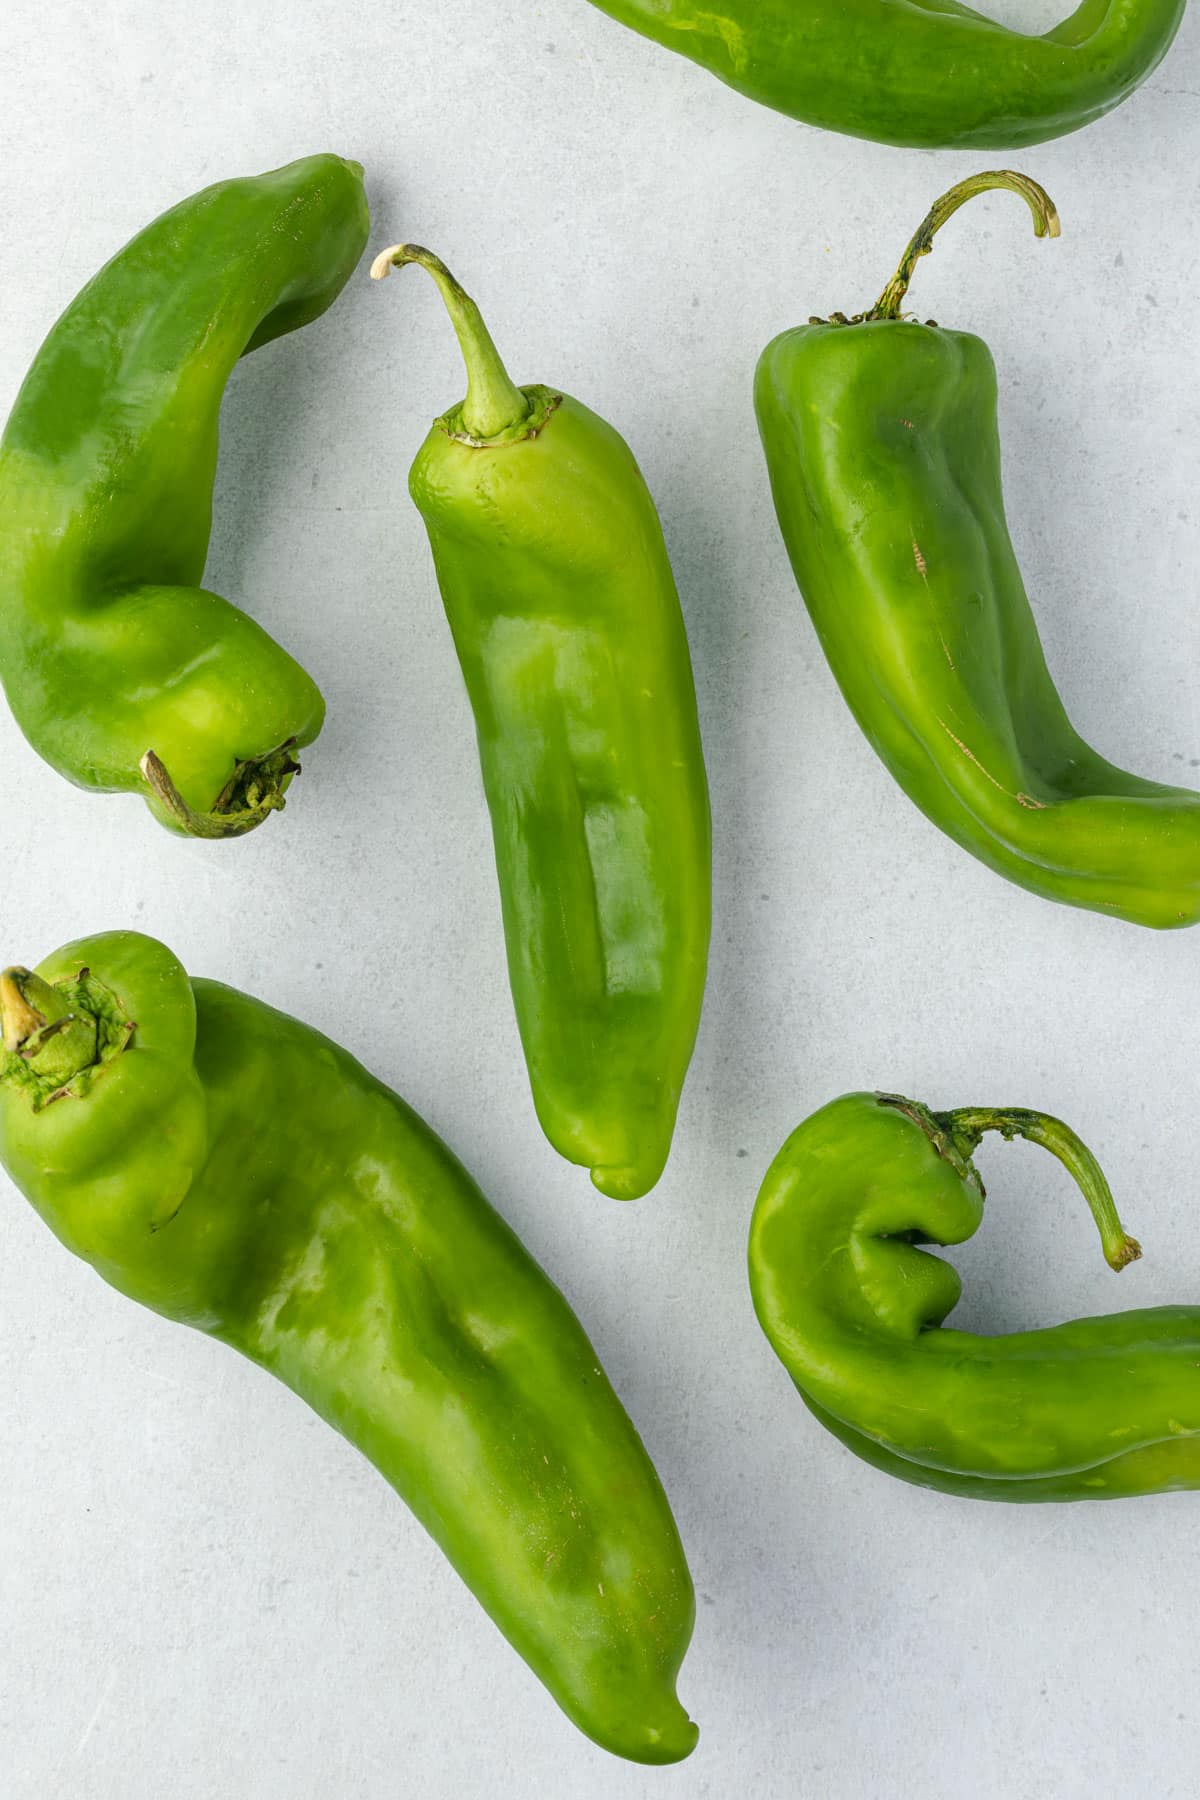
point(957, 1135)
point(1045, 224)
point(252, 793)
point(943, 1140)
point(495, 410)
point(57, 1039)
point(542, 401)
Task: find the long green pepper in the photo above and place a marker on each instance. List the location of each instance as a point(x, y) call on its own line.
point(564, 612)
point(1097, 1409)
point(927, 73)
point(122, 671)
point(884, 457)
point(233, 1170)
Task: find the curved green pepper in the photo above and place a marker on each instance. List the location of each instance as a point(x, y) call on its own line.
point(234, 1170)
point(927, 73)
point(1092, 1410)
point(881, 441)
point(563, 608)
point(124, 673)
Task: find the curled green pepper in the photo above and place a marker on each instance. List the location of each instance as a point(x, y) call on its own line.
point(124, 673)
point(881, 441)
point(928, 73)
point(1096, 1409)
point(234, 1170)
point(563, 608)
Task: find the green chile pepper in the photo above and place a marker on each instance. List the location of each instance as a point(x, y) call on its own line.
point(881, 441)
point(1096, 1409)
point(124, 673)
point(554, 574)
point(927, 73)
point(234, 1170)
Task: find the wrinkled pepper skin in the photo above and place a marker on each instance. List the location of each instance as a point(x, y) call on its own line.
point(927, 73)
point(564, 612)
point(884, 458)
point(234, 1170)
point(1096, 1409)
point(122, 671)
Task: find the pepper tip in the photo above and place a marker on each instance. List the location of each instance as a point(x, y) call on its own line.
point(621, 1183)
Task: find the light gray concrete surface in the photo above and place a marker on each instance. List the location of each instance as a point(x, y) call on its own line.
point(204, 1594)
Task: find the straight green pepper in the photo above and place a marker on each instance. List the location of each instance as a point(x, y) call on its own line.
point(234, 1170)
point(884, 458)
point(1096, 1409)
point(927, 73)
point(564, 612)
point(122, 671)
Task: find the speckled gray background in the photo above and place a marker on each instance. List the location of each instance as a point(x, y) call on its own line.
point(204, 1594)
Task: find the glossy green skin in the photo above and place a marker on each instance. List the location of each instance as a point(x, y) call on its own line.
point(108, 645)
point(884, 459)
point(236, 1171)
point(1091, 1410)
point(927, 73)
point(565, 615)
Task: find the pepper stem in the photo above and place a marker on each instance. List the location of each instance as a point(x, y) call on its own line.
point(40, 1027)
point(494, 403)
point(967, 1124)
point(1045, 224)
point(27, 1005)
point(253, 792)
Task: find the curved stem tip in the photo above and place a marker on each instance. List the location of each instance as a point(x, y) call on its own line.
point(1045, 224)
point(494, 402)
point(967, 1124)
